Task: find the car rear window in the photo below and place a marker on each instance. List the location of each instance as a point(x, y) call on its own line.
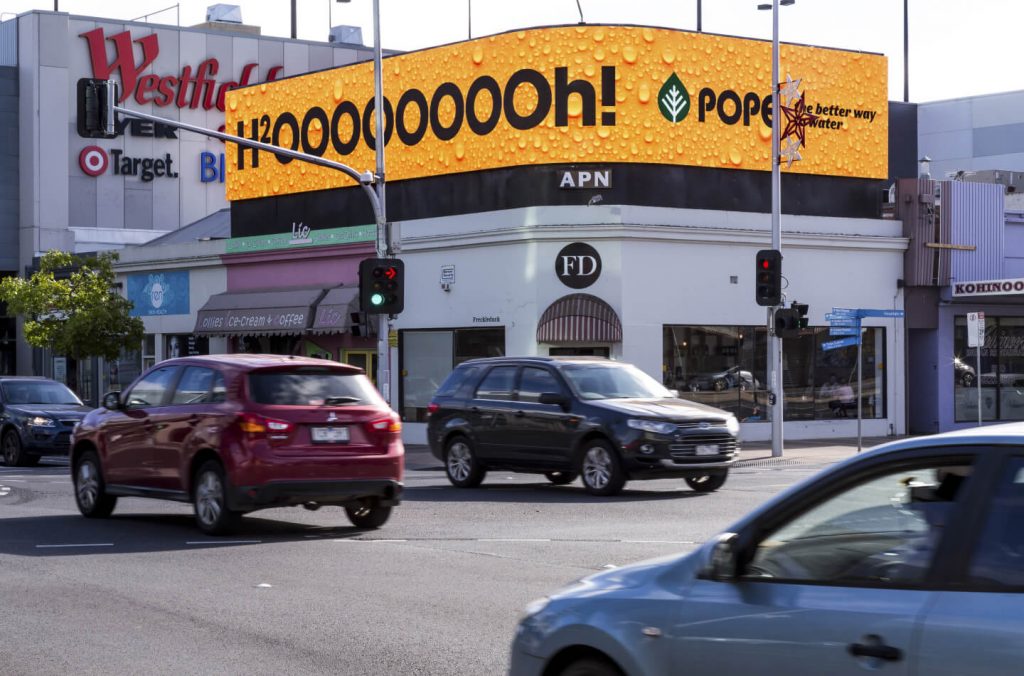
point(311, 387)
point(457, 379)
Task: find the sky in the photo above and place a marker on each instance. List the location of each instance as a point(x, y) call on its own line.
point(957, 47)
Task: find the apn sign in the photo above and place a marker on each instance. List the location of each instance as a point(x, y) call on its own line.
point(586, 178)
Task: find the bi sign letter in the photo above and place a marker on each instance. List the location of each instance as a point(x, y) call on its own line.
point(211, 168)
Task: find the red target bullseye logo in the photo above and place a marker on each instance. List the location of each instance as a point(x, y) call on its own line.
point(93, 160)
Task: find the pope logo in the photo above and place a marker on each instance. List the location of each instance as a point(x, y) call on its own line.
point(674, 100)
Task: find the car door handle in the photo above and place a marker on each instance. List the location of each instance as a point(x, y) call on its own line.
point(194, 419)
point(877, 650)
point(519, 414)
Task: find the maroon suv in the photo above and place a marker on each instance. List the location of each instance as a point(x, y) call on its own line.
point(236, 433)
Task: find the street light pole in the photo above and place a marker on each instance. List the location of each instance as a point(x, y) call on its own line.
point(383, 235)
point(776, 384)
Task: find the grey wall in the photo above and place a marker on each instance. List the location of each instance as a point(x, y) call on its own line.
point(8, 169)
point(973, 134)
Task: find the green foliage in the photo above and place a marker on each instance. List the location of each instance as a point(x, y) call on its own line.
point(70, 306)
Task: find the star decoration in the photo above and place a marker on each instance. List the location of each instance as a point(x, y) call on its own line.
point(797, 119)
point(789, 91)
point(790, 152)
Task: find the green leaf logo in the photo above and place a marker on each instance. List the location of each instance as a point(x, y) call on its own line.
point(674, 100)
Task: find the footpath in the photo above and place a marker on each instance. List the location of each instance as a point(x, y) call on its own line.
point(818, 453)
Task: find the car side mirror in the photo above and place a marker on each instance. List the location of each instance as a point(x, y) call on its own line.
point(674, 393)
point(555, 398)
point(723, 562)
point(112, 401)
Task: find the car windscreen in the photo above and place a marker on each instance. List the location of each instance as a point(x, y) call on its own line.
point(313, 386)
point(38, 392)
point(613, 381)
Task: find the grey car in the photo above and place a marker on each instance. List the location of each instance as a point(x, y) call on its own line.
point(907, 560)
point(37, 416)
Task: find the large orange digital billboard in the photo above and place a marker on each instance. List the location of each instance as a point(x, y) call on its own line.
point(594, 94)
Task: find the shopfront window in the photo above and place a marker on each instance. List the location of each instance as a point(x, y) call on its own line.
point(725, 366)
point(1001, 372)
point(428, 356)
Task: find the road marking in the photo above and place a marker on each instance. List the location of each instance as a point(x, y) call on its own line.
point(4, 490)
point(90, 544)
point(658, 542)
point(514, 540)
point(224, 542)
point(366, 540)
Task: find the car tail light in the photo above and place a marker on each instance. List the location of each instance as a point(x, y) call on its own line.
point(432, 407)
point(390, 424)
point(258, 426)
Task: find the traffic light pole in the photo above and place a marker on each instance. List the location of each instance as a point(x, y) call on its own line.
point(384, 247)
point(774, 342)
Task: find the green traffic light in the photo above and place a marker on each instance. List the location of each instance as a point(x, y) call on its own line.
point(377, 299)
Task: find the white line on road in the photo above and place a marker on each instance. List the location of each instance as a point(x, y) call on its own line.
point(514, 540)
point(366, 540)
point(659, 542)
point(90, 544)
point(224, 542)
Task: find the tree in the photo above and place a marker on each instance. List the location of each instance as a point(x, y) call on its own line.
point(70, 305)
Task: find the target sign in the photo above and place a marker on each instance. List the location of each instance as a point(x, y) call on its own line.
point(93, 160)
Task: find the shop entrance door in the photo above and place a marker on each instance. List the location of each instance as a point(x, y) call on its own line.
point(364, 359)
point(574, 351)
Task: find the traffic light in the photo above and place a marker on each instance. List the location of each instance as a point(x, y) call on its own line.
point(381, 286)
point(768, 278)
point(96, 101)
point(787, 323)
point(801, 312)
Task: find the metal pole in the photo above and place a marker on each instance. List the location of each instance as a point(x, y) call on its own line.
point(698, 16)
point(383, 238)
point(860, 385)
point(294, 19)
point(774, 342)
point(977, 378)
point(906, 54)
point(469, 18)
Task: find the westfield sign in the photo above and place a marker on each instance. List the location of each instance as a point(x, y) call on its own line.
point(189, 89)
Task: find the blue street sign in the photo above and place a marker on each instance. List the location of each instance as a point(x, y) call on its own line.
point(844, 331)
point(842, 342)
point(844, 311)
point(844, 321)
point(880, 313)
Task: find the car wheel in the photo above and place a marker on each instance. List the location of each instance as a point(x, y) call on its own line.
point(708, 482)
point(90, 489)
point(591, 666)
point(601, 469)
point(461, 464)
point(720, 385)
point(368, 513)
point(561, 478)
point(210, 501)
point(13, 454)
point(967, 379)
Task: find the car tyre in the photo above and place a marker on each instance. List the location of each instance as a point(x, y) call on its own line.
point(14, 455)
point(561, 478)
point(591, 666)
point(967, 380)
point(210, 501)
point(368, 513)
point(90, 489)
point(601, 468)
point(461, 464)
point(708, 482)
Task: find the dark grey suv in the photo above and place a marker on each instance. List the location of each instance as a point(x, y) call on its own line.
point(601, 420)
point(37, 416)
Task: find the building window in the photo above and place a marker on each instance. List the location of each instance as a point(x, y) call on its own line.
point(725, 366)
point(428, 356)
point(1001, 376)
point(148, 350)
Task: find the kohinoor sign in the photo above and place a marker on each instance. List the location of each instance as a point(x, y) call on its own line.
point(994, 287)
point(601, 94)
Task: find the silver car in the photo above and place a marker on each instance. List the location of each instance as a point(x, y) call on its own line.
point(908, 560)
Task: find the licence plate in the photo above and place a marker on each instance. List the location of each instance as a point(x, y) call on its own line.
point(329, 435)
point(707, 449)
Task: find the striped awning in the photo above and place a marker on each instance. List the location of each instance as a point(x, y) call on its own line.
point(579, 318)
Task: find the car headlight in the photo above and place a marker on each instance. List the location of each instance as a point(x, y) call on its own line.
point(535, 606)
point(42, 421)
point(733, 425)
point(651, 426)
